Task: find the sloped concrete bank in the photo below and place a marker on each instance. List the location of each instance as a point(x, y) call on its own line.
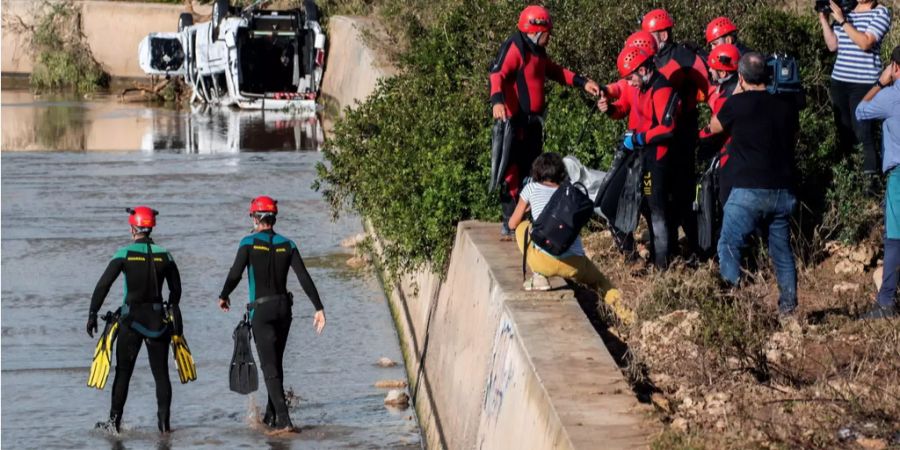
point(494, 367)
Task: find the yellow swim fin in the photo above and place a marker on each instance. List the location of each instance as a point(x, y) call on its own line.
point(103, 353)
point(187, 371)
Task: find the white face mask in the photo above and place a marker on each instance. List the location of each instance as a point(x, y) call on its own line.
point(725, 79)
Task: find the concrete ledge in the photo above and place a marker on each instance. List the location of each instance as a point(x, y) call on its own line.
point(493, 366)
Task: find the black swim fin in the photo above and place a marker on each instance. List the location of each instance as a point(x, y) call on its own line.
point(501, 141)
point(632, 194)
point(243, 377)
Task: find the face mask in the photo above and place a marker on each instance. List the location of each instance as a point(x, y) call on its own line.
point(723, 80)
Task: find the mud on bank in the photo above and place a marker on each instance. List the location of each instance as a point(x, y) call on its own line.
point(723, 373)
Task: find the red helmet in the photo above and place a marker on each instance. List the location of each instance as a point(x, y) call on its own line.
point(642, 40)
point(631, 59)
point(724, 57)
point(657, 20)
point(142, 217)
point(535, 19)
point(720, 26)
point(263, 204)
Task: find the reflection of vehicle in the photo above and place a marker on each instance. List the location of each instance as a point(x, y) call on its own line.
point(224, 130)
point(250, 58)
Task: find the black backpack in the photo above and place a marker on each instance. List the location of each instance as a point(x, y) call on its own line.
point(567, 212)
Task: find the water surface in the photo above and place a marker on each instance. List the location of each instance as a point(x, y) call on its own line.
point(63, 218)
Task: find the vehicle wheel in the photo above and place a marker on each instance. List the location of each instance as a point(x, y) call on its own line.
point(219, 12)
point(185, 20)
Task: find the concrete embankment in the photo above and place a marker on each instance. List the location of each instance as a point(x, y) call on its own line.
point(494, 367)
point(112, 30)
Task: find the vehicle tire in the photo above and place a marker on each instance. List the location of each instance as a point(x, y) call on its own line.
point(185, 20)
point(219, 13)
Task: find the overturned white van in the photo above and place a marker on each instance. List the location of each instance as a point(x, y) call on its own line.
point(250, 58)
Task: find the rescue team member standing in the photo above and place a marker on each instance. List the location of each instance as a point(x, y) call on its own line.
point(856, 38)
point(268, 256)
point(687, 73)
point(722, 30)
point(142, 319)
point(760, 175)
point(517, 93)
point(883, 102)
point(723, 66)
point(652, 109)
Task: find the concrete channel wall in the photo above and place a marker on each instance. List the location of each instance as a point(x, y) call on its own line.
point(494, 367)
point(112, 30)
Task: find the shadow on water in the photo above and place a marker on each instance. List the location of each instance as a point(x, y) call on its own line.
point(102, 122)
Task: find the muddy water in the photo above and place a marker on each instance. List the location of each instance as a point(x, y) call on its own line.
point(63, 217)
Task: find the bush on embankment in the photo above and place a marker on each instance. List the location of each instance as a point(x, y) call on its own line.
point(414, 158)
point(62, 59)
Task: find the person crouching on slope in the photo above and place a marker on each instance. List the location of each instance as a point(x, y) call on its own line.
point(517, 94)
point(547, 173)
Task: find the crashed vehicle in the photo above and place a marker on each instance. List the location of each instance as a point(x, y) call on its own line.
point(251, 58)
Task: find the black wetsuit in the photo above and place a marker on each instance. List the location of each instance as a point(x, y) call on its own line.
point(268, 256)
point(142, 318)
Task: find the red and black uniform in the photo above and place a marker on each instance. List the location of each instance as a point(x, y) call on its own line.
point(517, 81)
point(716, 98)
point(652, 111)
point(688, 74)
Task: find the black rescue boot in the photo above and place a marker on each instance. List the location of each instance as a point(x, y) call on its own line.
point(112, 425)
point(269, 418)
point(284, 424)
point(163, 421)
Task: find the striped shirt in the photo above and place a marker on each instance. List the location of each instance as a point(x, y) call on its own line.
point(855, 65)
point(537, 195)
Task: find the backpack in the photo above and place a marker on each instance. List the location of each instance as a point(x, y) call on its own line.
point(567, 212)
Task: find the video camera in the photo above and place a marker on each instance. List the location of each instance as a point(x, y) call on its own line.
point(846, 6)
point(783, 79)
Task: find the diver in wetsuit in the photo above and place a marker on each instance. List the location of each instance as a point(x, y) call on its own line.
point(268, 256)
point(143, 316)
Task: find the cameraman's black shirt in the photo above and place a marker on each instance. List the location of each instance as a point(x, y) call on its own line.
point(763, 129)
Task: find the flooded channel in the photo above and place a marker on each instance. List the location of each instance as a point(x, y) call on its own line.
point(63, 217)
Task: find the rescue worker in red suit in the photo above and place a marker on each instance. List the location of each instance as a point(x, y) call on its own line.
point(723, 65)
point(687, 73)
point(722, 30)
point(517, 94)
point(651, 107)
point(646, 42)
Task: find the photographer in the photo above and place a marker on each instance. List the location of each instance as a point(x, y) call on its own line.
point(856, 37)
point(760, 175)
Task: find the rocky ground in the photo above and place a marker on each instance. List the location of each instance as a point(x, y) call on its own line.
point(724, 373)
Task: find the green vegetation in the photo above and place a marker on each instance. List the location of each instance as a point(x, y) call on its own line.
point(62, 58)
point(414, 157)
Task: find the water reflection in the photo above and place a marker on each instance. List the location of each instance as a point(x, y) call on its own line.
point(217, 130)
point(102, 122)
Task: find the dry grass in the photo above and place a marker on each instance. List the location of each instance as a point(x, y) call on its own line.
point(730, 376)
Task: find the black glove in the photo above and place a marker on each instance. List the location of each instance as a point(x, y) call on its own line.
point(92, 324)
point(177, 325)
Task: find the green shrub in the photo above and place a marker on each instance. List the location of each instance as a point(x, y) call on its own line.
point(414, 157)
point(62, 58)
